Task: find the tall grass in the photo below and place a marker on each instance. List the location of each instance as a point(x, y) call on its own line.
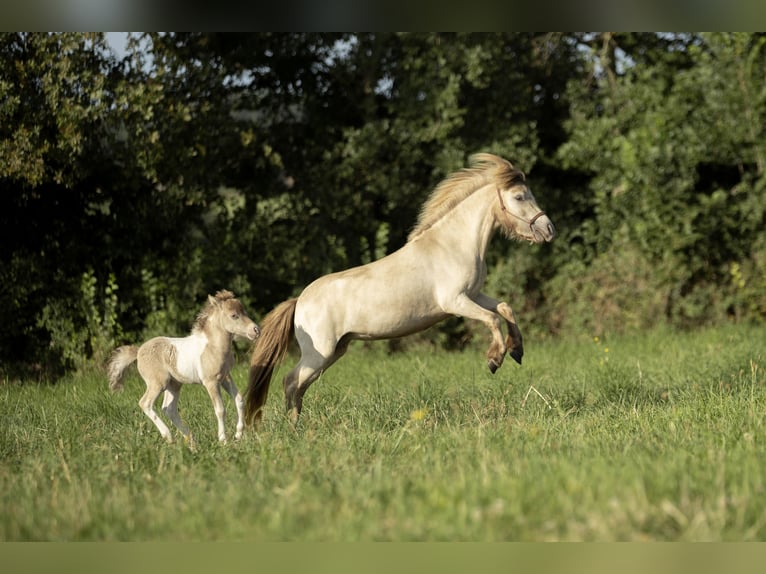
point(652, 437)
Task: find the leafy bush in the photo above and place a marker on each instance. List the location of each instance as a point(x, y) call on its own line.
point(84, 328)
point(620, 291)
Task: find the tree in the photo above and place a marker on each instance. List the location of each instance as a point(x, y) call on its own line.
point(54, 90)
point(674, 150)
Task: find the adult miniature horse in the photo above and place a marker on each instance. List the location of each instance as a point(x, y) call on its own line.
point(437, 273)
point(205, 357)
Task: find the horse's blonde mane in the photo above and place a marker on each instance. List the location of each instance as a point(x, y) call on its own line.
point(220, 296)
point(483, 168)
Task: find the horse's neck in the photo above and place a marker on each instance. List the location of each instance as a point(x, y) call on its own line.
point(469, 226)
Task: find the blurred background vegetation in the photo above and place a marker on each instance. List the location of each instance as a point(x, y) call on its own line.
point(134, 183)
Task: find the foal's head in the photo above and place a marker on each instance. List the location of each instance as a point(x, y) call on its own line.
point(226, 312)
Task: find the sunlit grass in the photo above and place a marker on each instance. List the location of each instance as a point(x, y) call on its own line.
point(661, 438)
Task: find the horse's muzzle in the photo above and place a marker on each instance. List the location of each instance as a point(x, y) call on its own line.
point(542, 228)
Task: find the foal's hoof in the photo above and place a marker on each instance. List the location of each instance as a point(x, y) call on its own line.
point(516, 355)
point(493, 366)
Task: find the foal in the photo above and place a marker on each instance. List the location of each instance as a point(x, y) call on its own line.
point(203, 357)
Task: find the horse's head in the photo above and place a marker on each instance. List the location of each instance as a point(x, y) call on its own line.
point(232, 315)
point(519, 215)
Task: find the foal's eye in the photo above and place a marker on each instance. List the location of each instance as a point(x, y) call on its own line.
point(234, 316)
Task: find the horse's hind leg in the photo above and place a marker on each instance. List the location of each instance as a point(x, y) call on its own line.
point(296, 383)
point(231, 388)
point(170, 407)
point(153, 389)
point(310, 367)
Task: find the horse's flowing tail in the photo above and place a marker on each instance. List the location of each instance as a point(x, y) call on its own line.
point(276, 331)
point(121, 359)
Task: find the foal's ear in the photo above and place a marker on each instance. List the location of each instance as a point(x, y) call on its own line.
point(212, 300)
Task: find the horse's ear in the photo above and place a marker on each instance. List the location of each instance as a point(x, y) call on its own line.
point(212, 300)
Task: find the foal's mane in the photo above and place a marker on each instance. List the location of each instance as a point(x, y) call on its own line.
point(206, 311)
point(484, 168)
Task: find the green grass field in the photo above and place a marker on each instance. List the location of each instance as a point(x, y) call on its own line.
point(659, 436)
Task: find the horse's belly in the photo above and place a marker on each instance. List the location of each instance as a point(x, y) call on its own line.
point(366, 304)
point(400, 326)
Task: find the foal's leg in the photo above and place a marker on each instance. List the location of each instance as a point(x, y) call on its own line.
point(170, 407)
point(466, 307)
point(153, 389)
point(513, 340)
point(231, 388)
point(213, 387)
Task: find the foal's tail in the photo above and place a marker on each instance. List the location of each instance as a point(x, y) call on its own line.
point(121, 359)
point(276, 331)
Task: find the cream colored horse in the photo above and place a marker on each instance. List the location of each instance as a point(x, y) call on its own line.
point(439, 272)
point(204, 357)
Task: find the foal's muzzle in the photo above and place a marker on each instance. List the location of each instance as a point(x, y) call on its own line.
point(254, 333)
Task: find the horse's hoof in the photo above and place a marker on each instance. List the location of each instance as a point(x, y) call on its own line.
point(516, 355)
point(493, 366)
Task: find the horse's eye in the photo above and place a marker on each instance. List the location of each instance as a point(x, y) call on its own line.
point(234, 316)
point(520, 197)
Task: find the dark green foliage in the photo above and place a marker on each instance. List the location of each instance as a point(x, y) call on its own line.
point(129, 189)
point(676, 157)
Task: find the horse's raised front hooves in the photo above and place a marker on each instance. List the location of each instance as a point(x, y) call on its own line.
point(493, 365)
point(516, 355)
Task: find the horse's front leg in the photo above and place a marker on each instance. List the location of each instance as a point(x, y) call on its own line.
point(213, 387)
point(231, 388)
point(513, 341)
point(466, 307)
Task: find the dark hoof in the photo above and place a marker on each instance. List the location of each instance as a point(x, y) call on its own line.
point(516, 355)
point(493, 366)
